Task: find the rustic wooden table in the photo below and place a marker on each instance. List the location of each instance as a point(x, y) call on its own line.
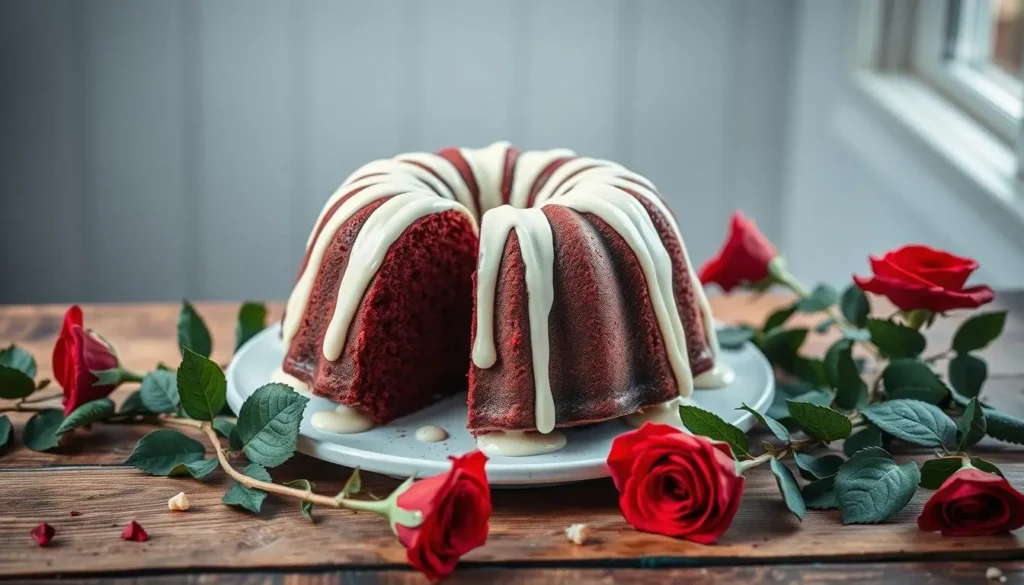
point(215, 543)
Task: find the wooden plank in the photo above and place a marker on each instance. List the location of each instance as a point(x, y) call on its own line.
point(525, 528)
point(909, 573)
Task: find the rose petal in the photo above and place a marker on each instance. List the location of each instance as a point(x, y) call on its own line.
point(43, 534)
point(134, 532)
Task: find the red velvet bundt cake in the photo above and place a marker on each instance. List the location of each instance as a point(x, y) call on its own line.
point(574, 302)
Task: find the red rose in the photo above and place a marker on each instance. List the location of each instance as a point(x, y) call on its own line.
point(455, 508)
point(973, 503)
point(919, 277)
point(744, 256)
point(674, 483)
point(77, 354)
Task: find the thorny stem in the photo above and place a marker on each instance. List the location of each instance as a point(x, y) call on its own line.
point(269, 487)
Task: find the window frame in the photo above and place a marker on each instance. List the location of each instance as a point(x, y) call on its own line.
point(986, 92)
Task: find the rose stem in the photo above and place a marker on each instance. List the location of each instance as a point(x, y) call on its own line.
point(40, 398)
point(273, 488)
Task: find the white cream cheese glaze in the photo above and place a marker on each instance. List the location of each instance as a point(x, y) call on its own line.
point(414, 185)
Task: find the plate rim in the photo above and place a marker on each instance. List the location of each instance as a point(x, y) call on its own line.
point(512, 472)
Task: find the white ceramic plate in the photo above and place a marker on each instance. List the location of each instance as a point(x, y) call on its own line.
point(393, 449)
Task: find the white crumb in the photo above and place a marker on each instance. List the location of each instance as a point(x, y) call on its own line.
point(178, 503)
point(578, 533)
point(994, 574)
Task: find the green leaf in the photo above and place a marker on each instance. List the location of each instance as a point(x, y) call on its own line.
point(14, 383)
point(913, 421)
point(832, 360)
point(869, 436)
point(201, 386)
point(111, 377)
point(903, 374)
point(133, 404)
point(821, 298)
point(780, 346)
point(735, 337)
point(41, 430)
point(224, 427)
point(895, 340)
point(967, 374)
point(986, 466)
point(353, 485)
point(851, 391)
point(825, 325)
point(778, 318)
point(252, 318)
point(871, 486)
point(1004, 427)
point(821, 494)
point(704, 423)
point(979, 331)
point(6, 431)
point(19, 359)
point(809, 370)
point(197, 469)
point(305, 507)
point(159, 391)
point(854, 305)
point(820, 422)
point(163, 450)
point(250, 499)
point(936, 471)
point(42, 384)
point(773, 425)
point(192, 331)
point(88, 413)
point(818, 467)
point(972, 426)
point(789, 488)
point(268, 424)
point(856, 334)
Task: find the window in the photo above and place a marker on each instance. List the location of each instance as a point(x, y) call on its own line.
point(971, 51)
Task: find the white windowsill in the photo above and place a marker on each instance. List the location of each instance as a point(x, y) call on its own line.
point(980, 166)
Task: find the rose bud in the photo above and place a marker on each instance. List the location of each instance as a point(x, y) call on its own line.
point(43, 534)
point(441, 518)
point(134, 531)
point(973, 503)
point(745, 258)
point(922, 278)
point(86, 367)
point(674, 483)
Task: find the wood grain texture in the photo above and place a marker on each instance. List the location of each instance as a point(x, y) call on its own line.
point(527, 528)
point(906, 573)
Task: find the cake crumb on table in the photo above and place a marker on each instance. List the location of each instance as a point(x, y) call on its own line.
point(578, 533)
point(995, 574)
point(178, 503)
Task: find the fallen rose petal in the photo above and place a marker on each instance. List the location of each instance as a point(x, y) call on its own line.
point(135, 531)
point(75, 513)
point(43, 534)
